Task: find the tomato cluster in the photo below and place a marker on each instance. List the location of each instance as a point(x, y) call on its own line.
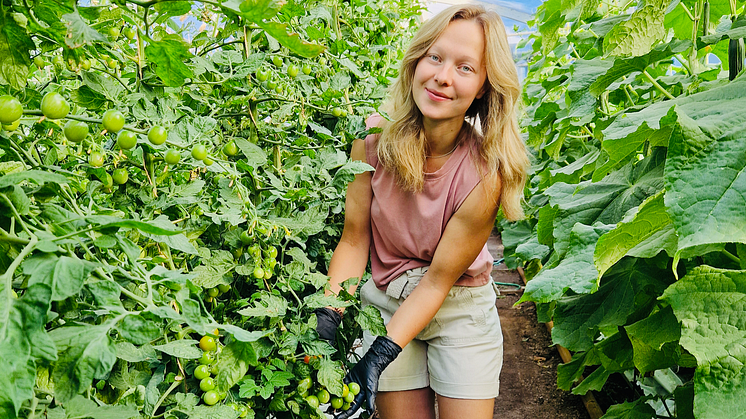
point(208, 366)
point(316, 394)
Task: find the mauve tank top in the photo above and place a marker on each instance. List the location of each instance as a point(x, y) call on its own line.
point(406, 227)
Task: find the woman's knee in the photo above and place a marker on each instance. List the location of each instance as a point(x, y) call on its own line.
point(407, 404)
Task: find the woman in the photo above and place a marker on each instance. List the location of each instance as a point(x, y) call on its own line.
point(425, 216)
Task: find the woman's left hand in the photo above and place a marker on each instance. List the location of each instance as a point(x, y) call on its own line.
point(382, 352)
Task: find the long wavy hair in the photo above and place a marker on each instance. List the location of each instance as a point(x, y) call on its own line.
point(401, 146)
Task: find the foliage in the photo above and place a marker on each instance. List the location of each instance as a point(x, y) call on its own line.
point(119, 256)
point(635, 243)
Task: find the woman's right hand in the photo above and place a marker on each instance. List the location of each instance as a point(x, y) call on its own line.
point(327, 322)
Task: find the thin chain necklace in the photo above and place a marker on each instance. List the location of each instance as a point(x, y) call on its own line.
point(443, 155)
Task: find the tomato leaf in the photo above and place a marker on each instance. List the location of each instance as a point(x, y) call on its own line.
point(170, 56)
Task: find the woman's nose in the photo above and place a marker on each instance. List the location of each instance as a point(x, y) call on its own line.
point(443, 75)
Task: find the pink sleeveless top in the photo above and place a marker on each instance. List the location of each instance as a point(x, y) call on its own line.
point(406, 227)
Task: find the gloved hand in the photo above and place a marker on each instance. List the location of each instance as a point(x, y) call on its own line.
point(327, 322)
point(366, 373)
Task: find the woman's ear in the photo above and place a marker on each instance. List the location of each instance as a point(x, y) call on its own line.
point(483, 90)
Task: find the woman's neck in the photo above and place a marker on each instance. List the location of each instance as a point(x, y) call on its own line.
point(441, 136)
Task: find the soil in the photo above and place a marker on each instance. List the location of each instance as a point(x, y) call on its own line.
point(528, 382)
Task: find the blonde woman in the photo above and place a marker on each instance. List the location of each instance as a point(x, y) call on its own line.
point(424, 217)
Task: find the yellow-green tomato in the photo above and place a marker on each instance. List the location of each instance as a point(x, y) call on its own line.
point(172, 156)
point(349, 398)
point(113, 120)
point(323, 396)
point(157, 135)
point(54, 106)
point(199, 152)
point(96, 159)
point(126, 140)
point(354, 388)
point(211, 397)
point(258, 273)
point(10, 109)
point(202, 372)
point(206, 384)
point(337, 402)
point(207, 343)
point(213, 292)
point(206, 358)
point(75, 131)
point(120, 176)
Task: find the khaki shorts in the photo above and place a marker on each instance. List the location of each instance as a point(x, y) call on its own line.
point(459, 354)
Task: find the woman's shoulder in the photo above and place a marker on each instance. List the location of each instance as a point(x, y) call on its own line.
point(371, 140)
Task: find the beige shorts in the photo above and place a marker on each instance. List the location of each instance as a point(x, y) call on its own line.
point(459, 354)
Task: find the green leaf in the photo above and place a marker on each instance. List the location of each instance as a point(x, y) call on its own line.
point(642, 234)
point(330, 375)
point(639, 409)
point(705, 174)
point(291, 41)
point(213, 270)
point(131, 353)
point(258, 10)
point(637, 35)
point(15, 48)
point(369, 318)
point(268, 305)
point(255, 156)
point(102, 84)
point(64, 275)
point(655, 340)
point(182, 348)
point(78, 31)
point(80, 407)
point(37, 176)
point(170, 56)
point(575, 272)
point(138, 330)
point(234, 363)
point(107, 221)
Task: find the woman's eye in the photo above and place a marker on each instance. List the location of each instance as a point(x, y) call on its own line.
point(434, 57)
point(466, 68)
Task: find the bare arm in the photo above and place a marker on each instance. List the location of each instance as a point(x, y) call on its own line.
point(464, 236)
point(351, 254)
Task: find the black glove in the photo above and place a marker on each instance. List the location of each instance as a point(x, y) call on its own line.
point(366, 373)
point(327, 322)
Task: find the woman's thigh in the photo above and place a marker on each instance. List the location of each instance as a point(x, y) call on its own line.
point(406, 404)
point(449, 408)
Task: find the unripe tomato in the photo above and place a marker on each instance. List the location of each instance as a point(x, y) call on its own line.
point(172, 156)
point(276, 60)
point(206, 358)
point(337, 402)
point(120, 176)
point(245, 238)
point(255, 251)
point(12, 126)
point(58, 62)
point(54, 106)
point(306, 69)
point(345, 391)
point(213, 292)
point(199, 152)
point(322, 61)
point(39, 62)
point(206, 384)
point(126, 140)
point(279, 88)
point(337, 111)
point(107, 180)
point(211, 397)
point(354, 388)
point(157, 135)
point(223, 288)
point(258, 272)
point(272, 252)
point(202, 372)
point(346, 406)
point(113, 120)
point(207, 344)
point(312, 401)
point(243, 411)
point(262, 75)
point(349, 398)
point(304, 384)
point(85, 64)
point(230, 148)
point(96, 159)
point(267, 273)
point(10, 109)
point(323, 396)
point(207, 161)
point(129, 32)
point(343, 113)
point(293, 70)
point(114, 32)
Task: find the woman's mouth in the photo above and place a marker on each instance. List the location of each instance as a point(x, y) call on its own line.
point(438, 97)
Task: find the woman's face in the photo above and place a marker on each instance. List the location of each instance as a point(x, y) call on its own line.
point(452, 73)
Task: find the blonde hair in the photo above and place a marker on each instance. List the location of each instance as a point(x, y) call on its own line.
point(401, 146)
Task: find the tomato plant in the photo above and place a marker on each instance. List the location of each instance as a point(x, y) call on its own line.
point(152, 245)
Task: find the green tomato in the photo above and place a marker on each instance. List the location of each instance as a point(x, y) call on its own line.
point(126, 140)
point(12, 126)
point(267, 273)
point(202, 372)
point(10, 109)
point(206, 384)
point(157, 135)
point(276, 60)
point(245, 238)
point(346, 406)
point(262, 75)
point(306, 69)
point(343, 113)
point(354, 388)
point(58, 62)
point(272, 252)
point(96, 159)
point(114, 32)
point(199, 152)
point(112, 64)
point(258, 273)
point(304, 384)
point(349, 398)
point(243, 411)
point(54, 106)
point(207, 161)
point(312, 401)
point(255, 251)
point(337, 402)
point(113, 120)
point(293, 70)
point(323, 396)
point(107, 180)
point(172, 156)
point(223, 288)
point(39, 62)
point(207, 344)
point(213, 292)
point(230, 148)
point(279, 89)
point(85, 64)
point(130, 32)
point(271, 84)
point(206, 358)
point(337, 111)
point(322, 61)
point(120, 176)
point(211, 397)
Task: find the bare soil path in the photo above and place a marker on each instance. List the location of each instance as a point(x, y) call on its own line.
point(528, 382)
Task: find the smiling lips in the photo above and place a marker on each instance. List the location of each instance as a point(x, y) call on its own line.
point(436, 95)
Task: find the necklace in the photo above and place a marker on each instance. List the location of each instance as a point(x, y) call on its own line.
point(443, 155)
